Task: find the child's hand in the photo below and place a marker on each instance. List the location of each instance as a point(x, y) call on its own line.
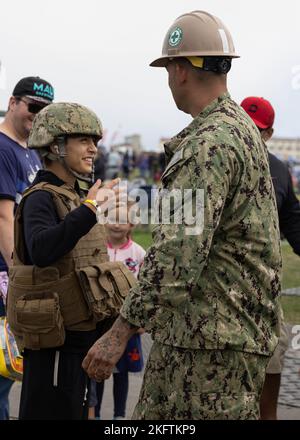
point(110, 197)
point(94, 189)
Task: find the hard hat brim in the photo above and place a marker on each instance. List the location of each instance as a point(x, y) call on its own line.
point(163, 61)
point(160, 62)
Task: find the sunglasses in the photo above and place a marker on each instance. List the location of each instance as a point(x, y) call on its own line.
point(33, 107)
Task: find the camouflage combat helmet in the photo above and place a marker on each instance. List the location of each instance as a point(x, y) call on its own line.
point(63, 119)
point(54, 123)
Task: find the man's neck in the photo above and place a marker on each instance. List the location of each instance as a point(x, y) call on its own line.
point(7, 128)
point(201, 99)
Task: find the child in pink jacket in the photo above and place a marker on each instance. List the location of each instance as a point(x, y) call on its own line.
point(121, 247)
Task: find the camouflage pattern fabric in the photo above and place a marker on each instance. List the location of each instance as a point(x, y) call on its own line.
point(219, 289)
point(181, 384)
point(62, 119)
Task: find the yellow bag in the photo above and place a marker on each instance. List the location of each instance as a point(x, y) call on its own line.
point(11, 362)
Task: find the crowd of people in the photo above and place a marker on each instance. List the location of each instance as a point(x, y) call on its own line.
point(78, 294)
point(147, 165)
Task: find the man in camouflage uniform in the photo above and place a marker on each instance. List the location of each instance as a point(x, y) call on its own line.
point(209, 300)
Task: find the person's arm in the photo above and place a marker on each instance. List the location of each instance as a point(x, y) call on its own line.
point(47, 238)
point(7, 229)
point(174, 263)
point(8, 193)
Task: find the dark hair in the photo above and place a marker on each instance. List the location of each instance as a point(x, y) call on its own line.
point(212, 65)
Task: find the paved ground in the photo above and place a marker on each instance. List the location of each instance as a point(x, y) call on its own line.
point(289, 407)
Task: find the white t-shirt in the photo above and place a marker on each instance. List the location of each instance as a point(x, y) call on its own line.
point(130, 253)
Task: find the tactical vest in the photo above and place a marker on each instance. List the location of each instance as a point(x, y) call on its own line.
point(75, 292)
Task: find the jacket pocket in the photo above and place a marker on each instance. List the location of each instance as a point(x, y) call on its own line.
point(25, 280)
point(39, 318)
point(105, 286)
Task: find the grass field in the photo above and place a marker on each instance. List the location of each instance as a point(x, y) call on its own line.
point(291, 275)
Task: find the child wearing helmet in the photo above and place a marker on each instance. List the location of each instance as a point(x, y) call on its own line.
point(53, 294)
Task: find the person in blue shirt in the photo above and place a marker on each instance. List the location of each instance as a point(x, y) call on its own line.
point(18, 167)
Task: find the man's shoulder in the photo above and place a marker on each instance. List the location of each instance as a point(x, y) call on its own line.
point(9, 159)
point(10, 151)
point(37, 198)
point(274, 161)
point(279, 170)
point(7, 145)
point(227, 126)
point(228, 119)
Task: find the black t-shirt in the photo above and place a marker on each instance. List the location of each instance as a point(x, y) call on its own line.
point(47, 239)
point(287, 203)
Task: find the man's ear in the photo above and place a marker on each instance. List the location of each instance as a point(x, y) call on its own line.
point(267, 133)
point(54, 149)
point(12, 103)
point(271, 131)
point(181, 73)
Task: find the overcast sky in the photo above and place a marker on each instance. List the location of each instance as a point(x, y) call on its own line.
point(97, 53)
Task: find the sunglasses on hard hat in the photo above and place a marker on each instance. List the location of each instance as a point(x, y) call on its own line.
point(33, 107)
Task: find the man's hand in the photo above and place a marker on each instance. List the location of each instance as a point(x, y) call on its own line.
point(103, 356)
point(105, 353)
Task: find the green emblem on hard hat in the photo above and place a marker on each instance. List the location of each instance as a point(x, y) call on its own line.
point(175, 37)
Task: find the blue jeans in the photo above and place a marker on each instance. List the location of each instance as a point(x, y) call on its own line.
point(5, 386)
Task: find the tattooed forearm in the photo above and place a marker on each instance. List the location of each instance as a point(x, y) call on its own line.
point(121, 331)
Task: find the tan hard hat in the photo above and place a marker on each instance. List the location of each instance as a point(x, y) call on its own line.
point(196, 33)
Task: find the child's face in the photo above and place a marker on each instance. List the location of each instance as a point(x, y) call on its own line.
point(119, 230)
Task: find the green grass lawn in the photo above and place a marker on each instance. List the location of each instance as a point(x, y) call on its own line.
point(291, 278)
point(142, 237)
point(291, 275)
point(291, 267)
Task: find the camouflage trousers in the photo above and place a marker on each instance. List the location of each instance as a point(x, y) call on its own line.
point(200, 385)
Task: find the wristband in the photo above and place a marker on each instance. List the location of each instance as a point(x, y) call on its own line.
point(91, 202)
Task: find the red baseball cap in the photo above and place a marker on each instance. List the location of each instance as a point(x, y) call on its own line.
point(260, 111)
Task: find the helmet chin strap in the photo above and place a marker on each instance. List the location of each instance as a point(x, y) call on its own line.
point(61, 151)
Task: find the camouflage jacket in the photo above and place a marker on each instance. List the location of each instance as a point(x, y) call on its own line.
point(218, 289)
